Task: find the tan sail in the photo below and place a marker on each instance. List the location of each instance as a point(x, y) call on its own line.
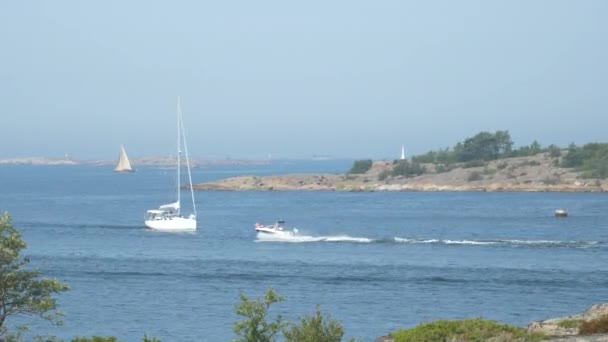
point(123, 164)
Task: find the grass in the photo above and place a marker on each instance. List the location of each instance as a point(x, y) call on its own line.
point(469, 330)
point(570, 323)
point(594, 326)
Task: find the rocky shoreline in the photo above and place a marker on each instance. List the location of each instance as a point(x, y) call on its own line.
point(535, 174)
point(560, 329)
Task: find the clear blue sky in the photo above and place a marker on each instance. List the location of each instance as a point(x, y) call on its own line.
point(345, 78)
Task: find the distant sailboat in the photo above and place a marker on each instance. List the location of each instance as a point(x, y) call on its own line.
point(123, 164)
point(402, 152)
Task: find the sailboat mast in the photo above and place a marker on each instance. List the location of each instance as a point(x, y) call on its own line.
point(183, 130)
point(179, 151)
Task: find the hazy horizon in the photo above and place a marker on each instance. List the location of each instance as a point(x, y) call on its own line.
point(346, 79)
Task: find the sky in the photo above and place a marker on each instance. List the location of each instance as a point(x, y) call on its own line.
point(341, 78)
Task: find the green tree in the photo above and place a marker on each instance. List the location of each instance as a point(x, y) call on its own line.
point(96, 339)
point(315, 328)
point(22, 290)
point(254, 327)
point(407, 169)
point(361, 166)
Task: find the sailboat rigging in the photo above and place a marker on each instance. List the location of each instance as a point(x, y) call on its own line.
point(169, 216)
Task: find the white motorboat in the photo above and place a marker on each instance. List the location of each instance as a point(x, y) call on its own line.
point(278, 229)
point(168, 217)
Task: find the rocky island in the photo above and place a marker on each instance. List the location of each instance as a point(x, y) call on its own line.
point(535, 173)
point(484, 162)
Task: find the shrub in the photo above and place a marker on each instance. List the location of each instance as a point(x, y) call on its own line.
point(254, 327)
point(470, 330)
point(570, 323)
point(591, 159)
point(474, 176)
point(554, 151)
point(384, 174)
point(315, 328)
point(22, 290)
point(361, 166)
point(441, 168)
point(502, 166)
point(407, 169)
point(594, 326)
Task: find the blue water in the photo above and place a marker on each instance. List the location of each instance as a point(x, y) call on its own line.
point(375, 261)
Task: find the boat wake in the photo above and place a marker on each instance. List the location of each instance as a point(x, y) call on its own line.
point(506, 243)
point(261, 237)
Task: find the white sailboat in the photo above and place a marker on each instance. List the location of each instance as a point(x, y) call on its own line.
point(123, 164)
point(402, 152)
point(168, 216)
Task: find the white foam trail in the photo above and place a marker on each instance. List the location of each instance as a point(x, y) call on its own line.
point(468, 242)
point(498, 242)
point(346, 238)
point(404, 240)
point(261, 237)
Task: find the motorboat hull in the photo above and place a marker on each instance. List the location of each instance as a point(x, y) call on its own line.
point(274, 232)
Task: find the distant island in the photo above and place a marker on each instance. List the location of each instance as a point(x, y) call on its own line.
point(484, 162)
point(142, 161)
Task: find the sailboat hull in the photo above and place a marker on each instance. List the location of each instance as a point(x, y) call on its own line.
point(172, 224)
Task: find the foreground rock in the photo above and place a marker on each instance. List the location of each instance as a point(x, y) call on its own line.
point(565, 326)
point(536, 173)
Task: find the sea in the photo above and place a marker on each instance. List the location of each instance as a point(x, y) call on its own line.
point(376, 261)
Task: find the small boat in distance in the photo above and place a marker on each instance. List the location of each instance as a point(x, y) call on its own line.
point(123, 164)
point(168, 216)
point(561, 213)
point(277, 229)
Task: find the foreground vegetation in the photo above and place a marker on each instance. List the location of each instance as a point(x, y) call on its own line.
point(470, 330)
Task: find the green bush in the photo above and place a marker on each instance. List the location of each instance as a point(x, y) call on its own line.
point(554, 151)
point(254, 327)
point(315, 328)
point(384, 174)
point(470, 330)
point(22, 289)
point(591, 159)
point(407, 169)
point(441, 168)
point(570, 323)
point(361, 166)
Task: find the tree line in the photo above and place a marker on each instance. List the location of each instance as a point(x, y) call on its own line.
point(590, 159)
